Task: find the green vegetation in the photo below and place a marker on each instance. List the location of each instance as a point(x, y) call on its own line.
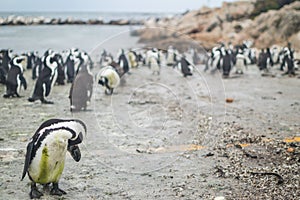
point(261, 6)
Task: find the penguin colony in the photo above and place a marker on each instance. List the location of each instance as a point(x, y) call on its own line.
point(53, 68)
point(225, 59)
point(46, 150)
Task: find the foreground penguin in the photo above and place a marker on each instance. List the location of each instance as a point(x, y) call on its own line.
point(109, 78)
point(15, 78)
point(47, 78)
point(46, 152)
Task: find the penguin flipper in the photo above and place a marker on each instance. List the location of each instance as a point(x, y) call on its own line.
point(27, 158)
point(48, 88)
point(23, 82)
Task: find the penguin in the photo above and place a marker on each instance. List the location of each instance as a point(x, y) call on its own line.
point(15, 78)
point(185, 67)
point(30, 60)
point(240, 63)
point(81, 89)
point(171, 56)
point(227, 63)
point(123, 62)
point(6, 58)
point(46, 153)
point(102, 57)
point(70, 65)
point(132, 57)
point(46, 79)
point(109, 78)
point(37, 67)
point(154, 62)
point(60, 70)
point(288, 61)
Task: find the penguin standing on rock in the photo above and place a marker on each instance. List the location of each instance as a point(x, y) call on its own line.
point(47, 78)
point(15, 78)
point(46, 153)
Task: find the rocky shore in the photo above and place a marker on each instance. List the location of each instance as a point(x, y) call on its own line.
point(40, 20)
point(232, 22)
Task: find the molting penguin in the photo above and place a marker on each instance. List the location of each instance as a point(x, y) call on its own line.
point(15, 78)
point(47, 78)
point(109, 78)
point(81, 89)
point(46, 152)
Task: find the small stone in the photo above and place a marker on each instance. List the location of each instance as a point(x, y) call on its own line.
point(219, 198)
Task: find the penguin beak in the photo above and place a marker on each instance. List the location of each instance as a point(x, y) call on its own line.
point(75, 152)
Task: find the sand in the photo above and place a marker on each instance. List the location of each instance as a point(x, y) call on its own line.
point(151, 139)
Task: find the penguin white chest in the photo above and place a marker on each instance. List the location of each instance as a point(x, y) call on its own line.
point(48, 164)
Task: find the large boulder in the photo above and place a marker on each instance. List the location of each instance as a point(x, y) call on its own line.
point(231, 23)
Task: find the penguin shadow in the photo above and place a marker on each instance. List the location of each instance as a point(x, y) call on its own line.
point(122, 82)
point(234, 76)
point(82, 111)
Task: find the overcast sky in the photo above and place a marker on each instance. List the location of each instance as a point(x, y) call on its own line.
point(107, 5)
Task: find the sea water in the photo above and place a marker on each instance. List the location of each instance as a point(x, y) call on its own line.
point(91, 38)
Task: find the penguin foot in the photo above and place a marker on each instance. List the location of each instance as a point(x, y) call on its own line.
point(35, 193)
point(31, 99)
point(47, 102)
point(56, 191)
point(6, 95)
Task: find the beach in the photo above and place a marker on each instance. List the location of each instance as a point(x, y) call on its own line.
point(156, 137)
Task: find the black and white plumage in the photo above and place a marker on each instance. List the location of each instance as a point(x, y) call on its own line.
point(15, 78)
point(47, 78)
point(171, 56)
point(123, 61)
point(71, 64)
point(153, 59)
point(109, 78)
point(5, 55)
point(46, 152)
point(185, 67)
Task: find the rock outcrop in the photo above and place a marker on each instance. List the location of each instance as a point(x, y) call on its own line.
point(21, 20)
point(230, 23)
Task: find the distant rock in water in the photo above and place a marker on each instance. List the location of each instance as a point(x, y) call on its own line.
point(21, 20)
point(233, 22)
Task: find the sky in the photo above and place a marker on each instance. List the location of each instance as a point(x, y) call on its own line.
point(107, 5)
